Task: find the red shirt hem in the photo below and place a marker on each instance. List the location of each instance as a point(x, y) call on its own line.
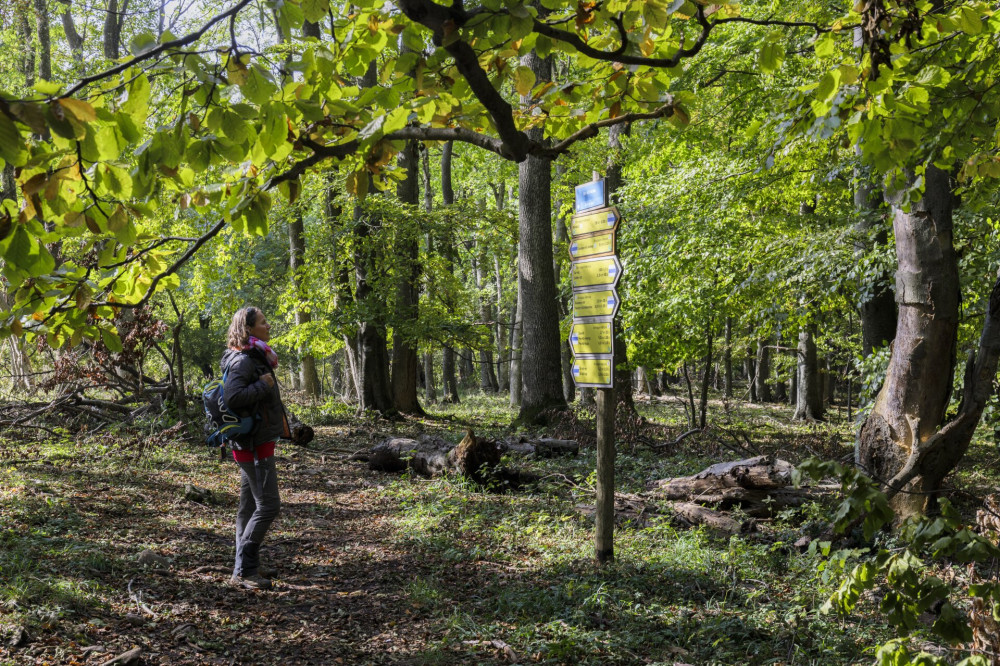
point(263, 451)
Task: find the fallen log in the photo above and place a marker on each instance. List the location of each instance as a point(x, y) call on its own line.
point(695, 514)
point(758, 485)
point(432, 456)
point(544, 447)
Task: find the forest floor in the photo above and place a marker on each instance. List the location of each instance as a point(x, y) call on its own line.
point(376, 568)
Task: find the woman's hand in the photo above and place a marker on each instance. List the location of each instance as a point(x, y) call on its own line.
point(268, 379)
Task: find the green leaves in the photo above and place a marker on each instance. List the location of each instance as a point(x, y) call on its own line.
point(25, 255)
point(135, 102)
point(772, 53)
point(11, 142)
point(524, 80)
point(969, 21)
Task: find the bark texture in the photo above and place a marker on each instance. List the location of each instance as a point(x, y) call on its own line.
point(541, 369)
point(900, 438)
point(405, 362)
point(309, 378)
point(808, 397)
point(448, 369)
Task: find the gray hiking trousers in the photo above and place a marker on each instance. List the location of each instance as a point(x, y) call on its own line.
point(259, 506)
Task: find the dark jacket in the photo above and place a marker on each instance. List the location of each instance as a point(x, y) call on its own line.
point(245, 392)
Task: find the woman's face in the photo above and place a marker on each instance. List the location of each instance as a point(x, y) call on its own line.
point(261, 329)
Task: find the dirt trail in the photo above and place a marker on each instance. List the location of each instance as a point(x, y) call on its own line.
point(340, 594)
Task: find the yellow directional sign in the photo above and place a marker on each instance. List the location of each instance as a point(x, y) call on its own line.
point(592, 246)
point(601, 272)
point(591, 338)
point(602, 303)
point(604, 219)
point(592, 372)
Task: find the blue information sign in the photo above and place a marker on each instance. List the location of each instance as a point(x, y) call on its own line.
point(591, 195)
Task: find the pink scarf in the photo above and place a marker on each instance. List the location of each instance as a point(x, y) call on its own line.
point(269, 354)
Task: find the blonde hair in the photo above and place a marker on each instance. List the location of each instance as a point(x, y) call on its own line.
point(239, 329)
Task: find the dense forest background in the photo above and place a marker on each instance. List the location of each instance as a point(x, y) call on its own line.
point(810, 287)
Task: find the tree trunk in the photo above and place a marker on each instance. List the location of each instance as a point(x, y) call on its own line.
point(727, 358)
point(780, 388)
point(405, 362)
point(44, 40)
point(914, 397)
point(541, 368)
point(27, 45)
point(809, 399)
point(487, 377)
point(750, 370)
point(73, 37)
point(503, 347)
point(560, 260)
point(692, 414)
point(296, 253)
point(448, 370)
point(878, 311)
point(113, 21)
point(515, 353)
point(763, 374)
point(466, 367)
point(703, 407)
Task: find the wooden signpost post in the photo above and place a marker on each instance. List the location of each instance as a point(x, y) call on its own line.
point(595, 272)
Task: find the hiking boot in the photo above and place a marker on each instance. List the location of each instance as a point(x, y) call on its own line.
point(253, 582)
point(267, 572)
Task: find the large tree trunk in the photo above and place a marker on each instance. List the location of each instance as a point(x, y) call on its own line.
point(113, 21)
point(727, 357)
point(430, 394)
point(515, 354)
point(73, 37)
point(487, 376)
point(405, 362)
point(541, 369)
point(809, 399)
point(296, 251)
point(703, 405)
point(503, 345)
point(763, 375)
point(900, 440)
point(560, 260)
point(27, 58)
point(878, 311)
point(780, 388)
point(373, 356)
point(44, 40)
point(448, 369)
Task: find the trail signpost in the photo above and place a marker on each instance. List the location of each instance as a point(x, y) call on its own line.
point(595, 272)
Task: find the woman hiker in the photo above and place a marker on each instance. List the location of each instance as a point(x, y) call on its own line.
point(250, 387)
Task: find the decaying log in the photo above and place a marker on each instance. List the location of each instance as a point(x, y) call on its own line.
point(757, 485)
point(475, 458)
point(544, 447)
point(432, 456)
point(695, 514)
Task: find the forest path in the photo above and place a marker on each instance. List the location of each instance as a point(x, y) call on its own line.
point(340, 595)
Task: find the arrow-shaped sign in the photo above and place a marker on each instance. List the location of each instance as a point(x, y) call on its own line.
point(605, 219)
point(603, 303)
point(591, 338)
point(599, 272)
point(593, 372)
point(593, 245)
